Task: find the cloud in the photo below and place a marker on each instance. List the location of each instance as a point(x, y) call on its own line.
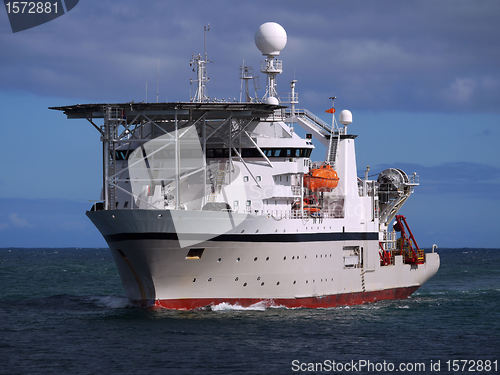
point(460, 179)
point(486, 133)
point(14, 220)
point(18, 222)
point(46, 222)
point(389, 55)
point(461, 90)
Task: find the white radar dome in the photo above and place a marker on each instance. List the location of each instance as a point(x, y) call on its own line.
point(271, 100)
point(270, 38)
point(345, 117)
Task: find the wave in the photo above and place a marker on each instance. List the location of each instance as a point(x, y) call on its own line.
point(68, 302)
point(259, 306)
point(112, 302)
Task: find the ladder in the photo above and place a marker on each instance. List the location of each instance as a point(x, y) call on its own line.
point(332, 149)
point(220, 177)
point(217, 180)
point(114, 117)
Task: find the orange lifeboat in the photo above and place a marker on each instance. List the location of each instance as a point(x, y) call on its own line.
point(310, 205)
point(323, 178)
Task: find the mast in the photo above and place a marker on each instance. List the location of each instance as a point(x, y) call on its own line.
point(199, 65)
point(270, 39)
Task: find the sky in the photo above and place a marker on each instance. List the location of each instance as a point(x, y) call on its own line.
point(422, 79)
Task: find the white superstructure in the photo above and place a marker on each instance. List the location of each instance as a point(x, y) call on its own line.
point(208, 201)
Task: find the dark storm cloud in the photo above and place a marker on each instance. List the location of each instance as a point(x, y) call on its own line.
point(389, 55)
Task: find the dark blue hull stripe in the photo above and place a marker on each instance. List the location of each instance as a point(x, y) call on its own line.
point(277, 237)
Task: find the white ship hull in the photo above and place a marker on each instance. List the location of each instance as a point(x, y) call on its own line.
point(256, 261)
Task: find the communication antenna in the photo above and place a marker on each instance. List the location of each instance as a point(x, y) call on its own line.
point(206, 29)
point(158, 81)
point(199, 65)
point(270, 39)
point(246, 75)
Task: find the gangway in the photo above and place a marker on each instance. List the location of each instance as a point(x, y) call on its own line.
point(311, 124)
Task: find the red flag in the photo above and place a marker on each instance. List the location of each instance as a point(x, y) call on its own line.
point(331, 110)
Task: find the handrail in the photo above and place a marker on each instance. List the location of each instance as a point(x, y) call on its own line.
point(311, 116)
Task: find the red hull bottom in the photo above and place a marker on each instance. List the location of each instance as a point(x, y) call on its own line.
point(334, 300)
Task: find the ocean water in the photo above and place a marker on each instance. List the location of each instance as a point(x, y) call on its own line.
point(63, 311)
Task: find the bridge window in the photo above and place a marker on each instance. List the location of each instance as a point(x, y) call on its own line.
point(247, 153)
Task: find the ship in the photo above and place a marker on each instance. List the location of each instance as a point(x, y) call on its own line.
point(212, 201)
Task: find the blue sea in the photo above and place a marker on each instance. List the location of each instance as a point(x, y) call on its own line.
point(63, 311)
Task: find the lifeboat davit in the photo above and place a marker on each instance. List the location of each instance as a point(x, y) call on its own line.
point(323, 179)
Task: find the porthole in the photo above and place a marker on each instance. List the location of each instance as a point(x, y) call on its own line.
point(194, 280)
point(209, 279)
point(236, 278)
point(293, 257)
point(262, 284)
point(255, 259)
point(160, 216)
point(238, 259)
point(267, 258)
point(305, 256)
point(307, 281)
point(244, 284)
point(294, 282)
point(278, 283)
point(219, 260)
point(284, 258)
point(258, 278)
